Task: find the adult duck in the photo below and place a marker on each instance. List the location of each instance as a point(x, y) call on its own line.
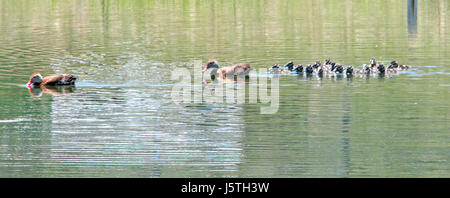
point(54, 80)
point(241, 69)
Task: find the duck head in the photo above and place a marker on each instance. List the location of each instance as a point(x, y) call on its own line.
point(373, 62)
point(35, 79)
point(211, 64)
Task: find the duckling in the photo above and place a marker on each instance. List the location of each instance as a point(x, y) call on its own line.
point(381, 69)
point(366, 69)
point(289, 65)
point(339, 69)
point(309, 69)
point(320, 72)
point(316, 65)
point(398, 67)
point(333, 66)
point(274, 69)
point(299, 68)
point(349, 70)
point(373, 62)
point(405, 67)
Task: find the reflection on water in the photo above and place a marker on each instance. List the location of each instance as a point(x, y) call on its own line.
point(120, 121)
point(38, 91)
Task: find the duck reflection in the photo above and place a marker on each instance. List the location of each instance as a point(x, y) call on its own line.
point(52, 90)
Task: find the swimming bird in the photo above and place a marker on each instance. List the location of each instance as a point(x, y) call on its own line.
point(241, 69)
point(309, 69)
point(373, 62)
point(339, 69)
point(381, 69)
point(349, 70)
point(289, 65)
point(299, 68)
point(54, 80)
point(394, 65)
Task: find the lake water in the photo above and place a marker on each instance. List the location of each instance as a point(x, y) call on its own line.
point(120, 120)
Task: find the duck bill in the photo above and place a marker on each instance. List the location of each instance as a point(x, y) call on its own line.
point(29, 83)
point(206, 68)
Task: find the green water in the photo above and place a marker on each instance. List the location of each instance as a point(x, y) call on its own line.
point(120, 121)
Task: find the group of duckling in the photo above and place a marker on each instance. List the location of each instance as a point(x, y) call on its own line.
point(330, 68)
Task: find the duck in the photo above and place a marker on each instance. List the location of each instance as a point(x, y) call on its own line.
point(381, 69)
point(309, 69)
point(394, 65)
point(366, 69)
point(241, 69)
point(298, 68)
point(276, 69)
point(37, 79)
point(349, 70)
point(320, 72)
point(332, 66)
point(289, 65)
point(373, 62)
point(286, 69)
point(339, 69)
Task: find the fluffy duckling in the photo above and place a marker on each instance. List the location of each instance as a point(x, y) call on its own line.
point(339, 69)
point(276, 69)
point(366, 69)
point(381, 69)
point(289, 65)
point(316, 65)
point(397, 67)
point(299, 68)
point(373, 62)
point(349, 70)
point(309, 69)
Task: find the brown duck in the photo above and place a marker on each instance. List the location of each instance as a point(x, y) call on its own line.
point(229, 71)
point(54, 80)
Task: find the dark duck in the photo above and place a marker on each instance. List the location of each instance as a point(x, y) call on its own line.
point(299, 69)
